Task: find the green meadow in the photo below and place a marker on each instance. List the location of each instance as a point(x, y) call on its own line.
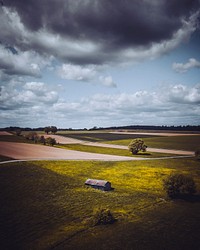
point(111, 151)
point(45, 205)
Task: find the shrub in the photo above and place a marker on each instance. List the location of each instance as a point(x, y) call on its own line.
point(177, 185)
point(50, 141)
point(103, 217)
point(137, 145)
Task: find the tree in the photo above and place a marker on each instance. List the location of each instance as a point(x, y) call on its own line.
point(177, 185)
point(137, 145)
point(47, 130)
point(53, 129)
point(50, 141)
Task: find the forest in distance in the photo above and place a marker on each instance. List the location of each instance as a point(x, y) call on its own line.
point(130, 127)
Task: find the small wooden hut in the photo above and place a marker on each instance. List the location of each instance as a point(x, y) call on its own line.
point(99, 184)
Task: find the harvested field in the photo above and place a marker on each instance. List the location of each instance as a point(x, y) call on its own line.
point(25, 151)
point(5, 133)
point(101, 136)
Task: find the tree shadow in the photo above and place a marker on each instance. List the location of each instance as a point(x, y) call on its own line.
point(142, 154)
point(189, 198)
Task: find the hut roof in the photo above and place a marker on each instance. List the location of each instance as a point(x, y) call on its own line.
point(94, 182)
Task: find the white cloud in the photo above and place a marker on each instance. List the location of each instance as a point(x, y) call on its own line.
point(182, 94)
point(166, 106)
point(36, 87)
point(76, 72)
point(31, 94)
point(22, 63)
point(184, 67)
point(88, 73)
point(174, 105)
point(107, 81)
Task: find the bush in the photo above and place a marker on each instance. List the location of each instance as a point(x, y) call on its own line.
point(177, 185)
point(50, 141)
point(137, 145)
point(103, 217)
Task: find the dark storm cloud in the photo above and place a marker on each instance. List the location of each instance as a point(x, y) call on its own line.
point(135, 22)
point(111, 24)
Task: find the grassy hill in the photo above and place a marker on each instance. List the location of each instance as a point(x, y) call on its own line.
point(45, 205)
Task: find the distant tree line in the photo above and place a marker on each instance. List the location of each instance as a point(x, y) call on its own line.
point(149, 127)
point(131, 127)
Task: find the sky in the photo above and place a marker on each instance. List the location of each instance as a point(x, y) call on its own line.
point(99, 63)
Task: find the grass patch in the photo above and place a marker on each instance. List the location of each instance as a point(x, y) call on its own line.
point(189, 142)
point(111, 151)
point(45, 204)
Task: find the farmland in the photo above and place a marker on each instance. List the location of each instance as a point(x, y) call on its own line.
point(45, 204)
point(180, 142)
point(102, 136)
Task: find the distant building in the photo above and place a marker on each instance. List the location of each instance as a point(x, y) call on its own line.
point(99, 184)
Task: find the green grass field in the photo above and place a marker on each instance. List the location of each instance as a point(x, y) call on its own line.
point(189, 142)
point(111, 151)
point(45, 205)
